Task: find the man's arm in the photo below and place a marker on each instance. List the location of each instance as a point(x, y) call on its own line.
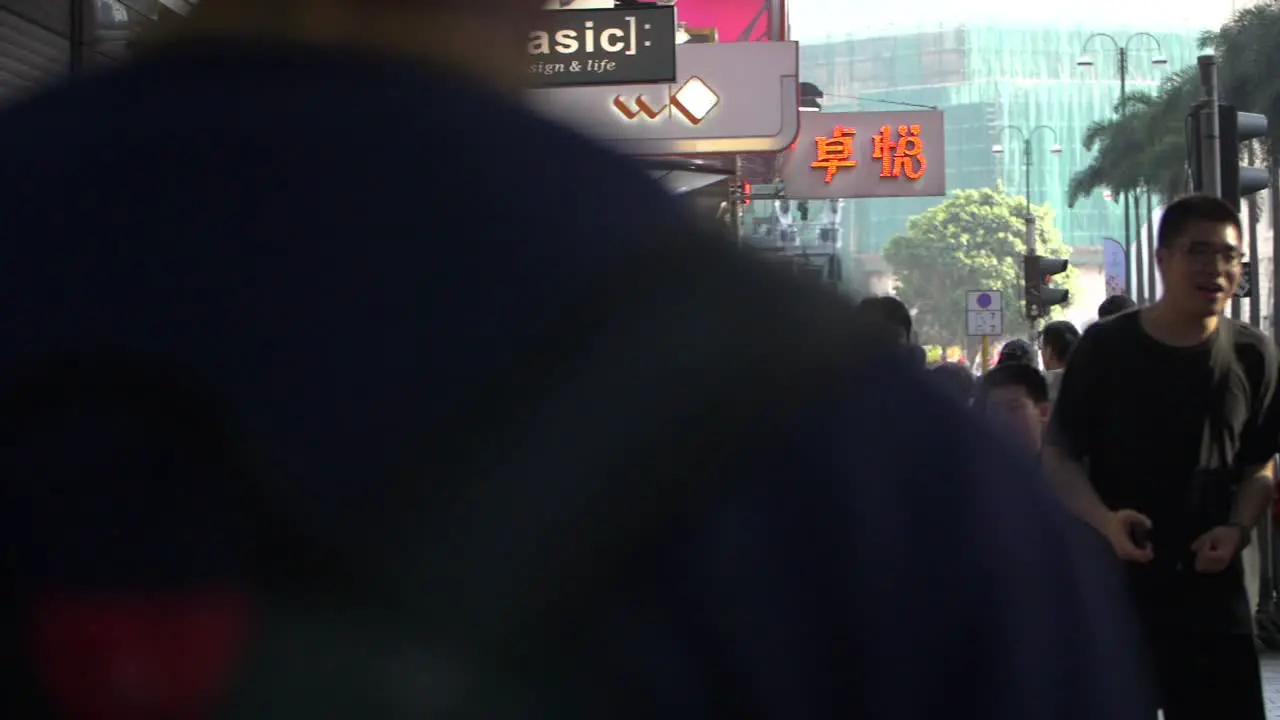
point(1071, 485)
point(1256, 494)
point(1258, 446)
point(1069, 438)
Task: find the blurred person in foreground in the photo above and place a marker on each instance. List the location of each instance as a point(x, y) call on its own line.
point(1015, 396)
point(1115, 305)
point(1171, 409)
point(558, 466)
point(1057, 340)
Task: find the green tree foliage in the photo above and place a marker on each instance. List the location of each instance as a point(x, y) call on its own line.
point(975, 240)
point(1249, 60)
point(1145, 145)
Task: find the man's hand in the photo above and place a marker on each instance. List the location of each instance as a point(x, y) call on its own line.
point(1215, 549)
point(1122, 529)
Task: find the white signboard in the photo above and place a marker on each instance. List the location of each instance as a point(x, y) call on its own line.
point(985, 313)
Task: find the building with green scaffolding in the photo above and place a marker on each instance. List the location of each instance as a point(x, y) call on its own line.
point(985, 79)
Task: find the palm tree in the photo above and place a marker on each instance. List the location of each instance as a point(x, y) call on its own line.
point(1145, 146)
point(1142, 148)
point(1249, 62)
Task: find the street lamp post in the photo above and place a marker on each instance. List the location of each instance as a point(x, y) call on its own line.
point(1026, 138)
point(1122, 68)
point(1030, 218)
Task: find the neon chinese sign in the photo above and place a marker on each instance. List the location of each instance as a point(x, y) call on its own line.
point(903, 156)
point(867, 155)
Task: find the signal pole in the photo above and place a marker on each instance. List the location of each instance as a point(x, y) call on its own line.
point(1210, 149)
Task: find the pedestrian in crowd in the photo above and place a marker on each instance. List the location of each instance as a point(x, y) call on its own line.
point(1015, 396)
point(306, 463)
point(894, 313)
point(1057, 340)
point(1017, 351)
point(1115, 305)
point(1171, 409)
point(956, 379)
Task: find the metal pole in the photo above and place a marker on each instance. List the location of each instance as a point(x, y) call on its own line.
point(1151, 252)
point(1251, 227)
point(777, 21)
point(1138, 260)
point(1273, 209)
point(1210, 151)
point(1032, 249)
point(1026, 163)
point(1129, 279)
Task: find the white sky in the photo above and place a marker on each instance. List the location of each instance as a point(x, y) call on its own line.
point(813, 20)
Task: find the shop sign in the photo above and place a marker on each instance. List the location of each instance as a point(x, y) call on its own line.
point(867, 154)
point(730, 98)
point(603, 47)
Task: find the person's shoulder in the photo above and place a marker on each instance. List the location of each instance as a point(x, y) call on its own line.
point(1119, 326)
point(1255, 353)
point(1107, 334)
point(1251, 339)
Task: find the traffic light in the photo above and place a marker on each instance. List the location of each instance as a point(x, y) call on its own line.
point(1234, 128)
point(1037, 273)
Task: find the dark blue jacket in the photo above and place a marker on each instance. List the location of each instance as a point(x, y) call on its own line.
point(343, 262)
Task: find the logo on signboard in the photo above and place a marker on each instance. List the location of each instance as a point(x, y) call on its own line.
point(694, 101)
point(603, 47)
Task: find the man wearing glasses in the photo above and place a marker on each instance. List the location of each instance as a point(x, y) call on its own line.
point(1170, 409)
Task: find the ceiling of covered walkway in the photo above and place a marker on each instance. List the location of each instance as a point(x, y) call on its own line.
point(43, 40)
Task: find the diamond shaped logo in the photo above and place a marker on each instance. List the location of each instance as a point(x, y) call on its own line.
point(695, 100)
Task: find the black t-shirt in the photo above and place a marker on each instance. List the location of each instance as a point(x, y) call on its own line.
point(1138, 413)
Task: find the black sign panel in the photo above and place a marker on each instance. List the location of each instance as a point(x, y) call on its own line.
point(604, 47)
point(1246, 280)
